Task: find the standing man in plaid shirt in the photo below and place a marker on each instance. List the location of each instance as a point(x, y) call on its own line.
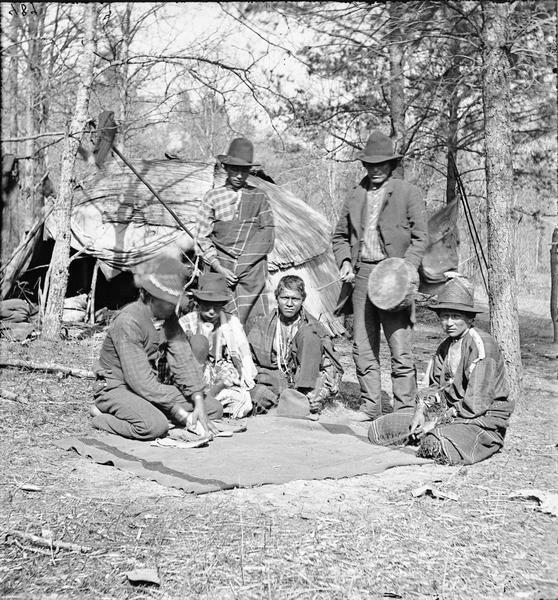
point(236, 233)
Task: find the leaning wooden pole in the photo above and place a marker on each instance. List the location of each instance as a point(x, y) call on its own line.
point(502, 294)
point(63, 203)
point(554, 284)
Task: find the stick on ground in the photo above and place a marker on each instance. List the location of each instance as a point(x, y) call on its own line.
point(45, 543)
point(6, 395)
point(82, 373)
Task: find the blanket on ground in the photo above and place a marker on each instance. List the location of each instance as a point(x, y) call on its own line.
point(272, 450)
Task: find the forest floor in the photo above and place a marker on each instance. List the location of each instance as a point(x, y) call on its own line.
point(364, 537)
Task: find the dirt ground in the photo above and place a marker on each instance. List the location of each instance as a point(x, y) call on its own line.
point(357, 538)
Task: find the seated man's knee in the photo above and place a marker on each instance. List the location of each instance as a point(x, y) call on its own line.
point(391, 429)
point(157, 426)
point(431, 447)
point(213, 407)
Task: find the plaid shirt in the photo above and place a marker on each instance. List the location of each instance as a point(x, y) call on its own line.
point(371, 248)
point(133, 348)
point(220, 204)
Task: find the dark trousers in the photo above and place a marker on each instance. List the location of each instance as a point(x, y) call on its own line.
point(306, 358)
point(463, 442)
point(134, 417)
point(397, 329)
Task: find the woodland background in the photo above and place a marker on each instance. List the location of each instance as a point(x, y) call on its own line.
point(309, 84)
point(307, 81)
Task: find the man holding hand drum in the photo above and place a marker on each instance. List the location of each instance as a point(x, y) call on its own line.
point(383, 219)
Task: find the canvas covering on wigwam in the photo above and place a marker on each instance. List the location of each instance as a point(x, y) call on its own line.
point(117, 220)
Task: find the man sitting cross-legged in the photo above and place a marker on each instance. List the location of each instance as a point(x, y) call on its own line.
point(291, 349)
point(219, 343)
point(463, 416)
point(130, 398)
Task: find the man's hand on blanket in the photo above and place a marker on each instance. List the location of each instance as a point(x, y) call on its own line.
point(417, 423)
point(199, 415)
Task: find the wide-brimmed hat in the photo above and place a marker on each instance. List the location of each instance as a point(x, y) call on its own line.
point(212, 287)
point(457, 294)
point(379, 148)
point(163, 278)
point(240, 154)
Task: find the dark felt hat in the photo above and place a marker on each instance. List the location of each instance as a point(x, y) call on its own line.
point(239, 154)
point(294, 404)
point(457, 294)
point(378, 149)
point(212, 287)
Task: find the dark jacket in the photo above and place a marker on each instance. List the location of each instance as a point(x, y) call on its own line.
point(479, 387)
point(402, 226)
point(262, 335)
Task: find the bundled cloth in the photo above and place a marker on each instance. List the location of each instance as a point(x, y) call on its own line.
point(226, 360)
point(16, 310)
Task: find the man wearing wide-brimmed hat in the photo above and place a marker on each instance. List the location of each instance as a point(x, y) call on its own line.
point(463, 417)
point(236, 232)
point(220, 345)
point(383, 217)
point(131, 397)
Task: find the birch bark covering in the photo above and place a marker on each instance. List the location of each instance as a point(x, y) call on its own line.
point(63, 204)
point(499, 190)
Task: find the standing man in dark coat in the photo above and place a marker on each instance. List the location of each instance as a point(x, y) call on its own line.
point(236, 233)
point(382, 218)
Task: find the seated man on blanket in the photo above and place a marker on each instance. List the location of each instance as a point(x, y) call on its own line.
point(219, 343)
point(292, 349)
point(132, 399)
point(462, 417)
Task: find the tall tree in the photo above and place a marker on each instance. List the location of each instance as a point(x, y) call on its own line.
point(63, 203)
point(499, 188)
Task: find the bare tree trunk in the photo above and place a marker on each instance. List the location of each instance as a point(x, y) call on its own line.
point(12, 91)
point(451, 181)
point(397, 84)
point(554, 284)
point(124, 72)
point(63, 204)
point(34, 165)
point(11, 226)
point(452, 77)
point(499, 180)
